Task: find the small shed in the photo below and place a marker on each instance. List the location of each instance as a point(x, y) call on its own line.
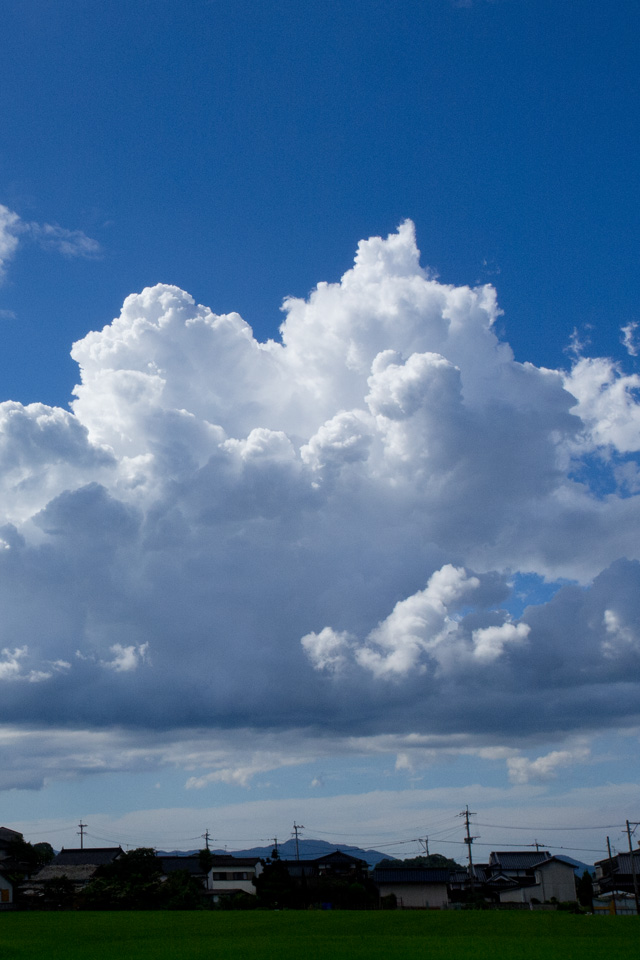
point(423, 888)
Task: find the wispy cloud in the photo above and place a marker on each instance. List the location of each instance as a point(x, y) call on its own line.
point(9, 225)
point(631, 338)
point(547, 767)
point(69, 243)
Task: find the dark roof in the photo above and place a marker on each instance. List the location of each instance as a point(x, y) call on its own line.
point(7, 835)
point(190, 864)
point(518, 859)
point(410, 875)
point(616, 859)
point(95, 856)
point(560, 860)
point(624, 862)
point(338, 856)
point(503, 880)
point(227, 860)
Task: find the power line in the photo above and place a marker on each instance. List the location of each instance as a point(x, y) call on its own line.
point(519, 846)
point(506, 826)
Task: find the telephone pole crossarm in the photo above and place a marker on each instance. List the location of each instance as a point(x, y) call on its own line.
point(83, 827)
point(296, 828)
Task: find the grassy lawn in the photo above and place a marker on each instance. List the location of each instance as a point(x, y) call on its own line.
point(316, 936)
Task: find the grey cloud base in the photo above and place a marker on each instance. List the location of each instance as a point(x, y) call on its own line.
point(319, 533)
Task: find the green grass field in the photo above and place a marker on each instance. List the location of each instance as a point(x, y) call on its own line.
point(316, 936)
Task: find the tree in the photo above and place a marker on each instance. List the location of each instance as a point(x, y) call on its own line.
point(59, 893)
point(205, 859)
point(25, 858)
point(180, 891)
point(44, 852)
point(129, 883)
point(584, 890)
point(274, 887)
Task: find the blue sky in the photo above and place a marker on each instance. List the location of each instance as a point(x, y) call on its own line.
point(391, 558)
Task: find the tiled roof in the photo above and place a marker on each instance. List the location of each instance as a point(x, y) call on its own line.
point(339, 857)
point(7, 835)
point(96, 856)
point(624, 862)
point(78, 872)
point(518, 859)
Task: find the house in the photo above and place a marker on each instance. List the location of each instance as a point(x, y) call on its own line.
point(7, 839)
point(230, 875)
point(518, 877)
point(528, 876)
point(616, 873)
point(514, 863)
point(414, 887)
point(336, 879)
point(76, 864)
point(337, 866)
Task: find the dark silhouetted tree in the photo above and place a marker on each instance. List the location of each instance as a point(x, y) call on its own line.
point(584, 890)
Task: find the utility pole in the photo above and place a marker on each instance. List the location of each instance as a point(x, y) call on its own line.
point(81, 833)
point(275, 846)
point(613, 899)
point(633, 867)
point(469, 840)
point(296, 827)
point(205, 837)
point(425, 844)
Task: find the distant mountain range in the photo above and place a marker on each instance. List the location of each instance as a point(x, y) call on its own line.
point(578, 866)
point(309, 850)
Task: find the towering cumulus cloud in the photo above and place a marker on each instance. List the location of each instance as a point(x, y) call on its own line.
point(225, 534)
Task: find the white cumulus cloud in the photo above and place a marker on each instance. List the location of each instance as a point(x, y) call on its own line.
point(319, 532)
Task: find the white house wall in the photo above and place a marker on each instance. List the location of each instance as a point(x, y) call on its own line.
point(415, 895)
